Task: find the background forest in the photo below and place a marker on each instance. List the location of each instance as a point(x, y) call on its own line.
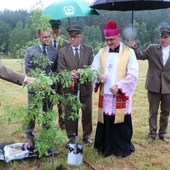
point(16, 30)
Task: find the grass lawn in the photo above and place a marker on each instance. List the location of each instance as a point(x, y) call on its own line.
point(147, 156)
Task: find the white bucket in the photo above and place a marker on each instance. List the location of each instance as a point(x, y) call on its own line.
point(75, 154)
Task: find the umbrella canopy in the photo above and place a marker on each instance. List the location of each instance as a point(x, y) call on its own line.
point(130, 5)
point(69, 8)
point(127, 5)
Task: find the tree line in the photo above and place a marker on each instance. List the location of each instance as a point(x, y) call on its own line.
point(16, 30)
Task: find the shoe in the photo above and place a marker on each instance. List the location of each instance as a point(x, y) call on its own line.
point(132, 148)
point(165, 139)
point(52, 151)
point(151, 139)
point(62, 127)
point(88, 141)
point(69, 142)
point(121, 156)
point(27, 147)
point(67, 145)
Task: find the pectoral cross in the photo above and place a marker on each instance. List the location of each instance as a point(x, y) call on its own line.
point(110, 67)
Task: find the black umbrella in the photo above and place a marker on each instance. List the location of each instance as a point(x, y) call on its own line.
point(130, 5)
point(127, 5)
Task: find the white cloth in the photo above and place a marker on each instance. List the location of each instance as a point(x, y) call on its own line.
point(43, 49)
point(74, 51)
point(53, 43)
point(165, 52)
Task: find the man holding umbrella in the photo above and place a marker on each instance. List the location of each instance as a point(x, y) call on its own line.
point(157, 83)
point(57, 41)
point(74, 57)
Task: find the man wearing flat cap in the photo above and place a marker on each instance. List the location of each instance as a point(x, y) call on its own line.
point(58, 42)
point(74, 57)
point(119, 74)
point(157, 83)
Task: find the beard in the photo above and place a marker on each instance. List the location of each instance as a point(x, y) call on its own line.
point(46, 43)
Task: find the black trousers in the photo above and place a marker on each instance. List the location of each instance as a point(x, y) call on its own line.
point(156, 101)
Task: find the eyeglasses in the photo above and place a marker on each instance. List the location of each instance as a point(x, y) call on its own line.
point(110, 39)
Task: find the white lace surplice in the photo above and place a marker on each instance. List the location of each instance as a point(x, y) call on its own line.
point(126, 85)
point(109, 101)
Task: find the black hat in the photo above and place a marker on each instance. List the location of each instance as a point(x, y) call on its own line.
point(165, 30)
point(55, 23)
point(75, 29)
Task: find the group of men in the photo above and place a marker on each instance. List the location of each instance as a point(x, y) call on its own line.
point(119, 73)
point(62, 55)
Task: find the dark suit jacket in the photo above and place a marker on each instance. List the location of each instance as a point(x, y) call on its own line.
point(33, 53)
point(11, 76)
point(158, 75)
point(66, 61)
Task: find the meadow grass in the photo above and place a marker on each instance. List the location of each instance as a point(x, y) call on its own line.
point(147, 156)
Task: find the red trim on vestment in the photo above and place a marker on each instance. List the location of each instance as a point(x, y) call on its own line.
point(120, 102)
point(100, 104)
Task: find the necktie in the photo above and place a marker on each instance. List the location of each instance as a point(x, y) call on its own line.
point(55, 43)
point(77, 56)
point(44, 50)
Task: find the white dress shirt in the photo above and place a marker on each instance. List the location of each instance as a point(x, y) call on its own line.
point(165, 52)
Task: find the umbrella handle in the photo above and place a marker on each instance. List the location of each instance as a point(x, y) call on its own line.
point(69, 21)
point(136, 46)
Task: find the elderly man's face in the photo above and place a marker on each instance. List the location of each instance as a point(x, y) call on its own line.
point(75, 39)
point(113, 41)
point(164, 40)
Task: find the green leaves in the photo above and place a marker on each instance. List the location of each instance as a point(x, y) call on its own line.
point(43, 87)
point(88, 75)
point(65, 79)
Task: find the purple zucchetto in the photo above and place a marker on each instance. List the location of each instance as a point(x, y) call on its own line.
point(110, 29)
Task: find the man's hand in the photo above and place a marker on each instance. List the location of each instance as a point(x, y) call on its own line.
point(74, 73)
point(133, 44)
point(103, 78)
point(29, 80)
point(114, 89)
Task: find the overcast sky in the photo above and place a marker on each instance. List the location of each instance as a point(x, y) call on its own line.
point(25, 4)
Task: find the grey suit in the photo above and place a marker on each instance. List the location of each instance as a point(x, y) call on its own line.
point(158, 86)
point(10, 75)
point(66, 61)
point(33, 53)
